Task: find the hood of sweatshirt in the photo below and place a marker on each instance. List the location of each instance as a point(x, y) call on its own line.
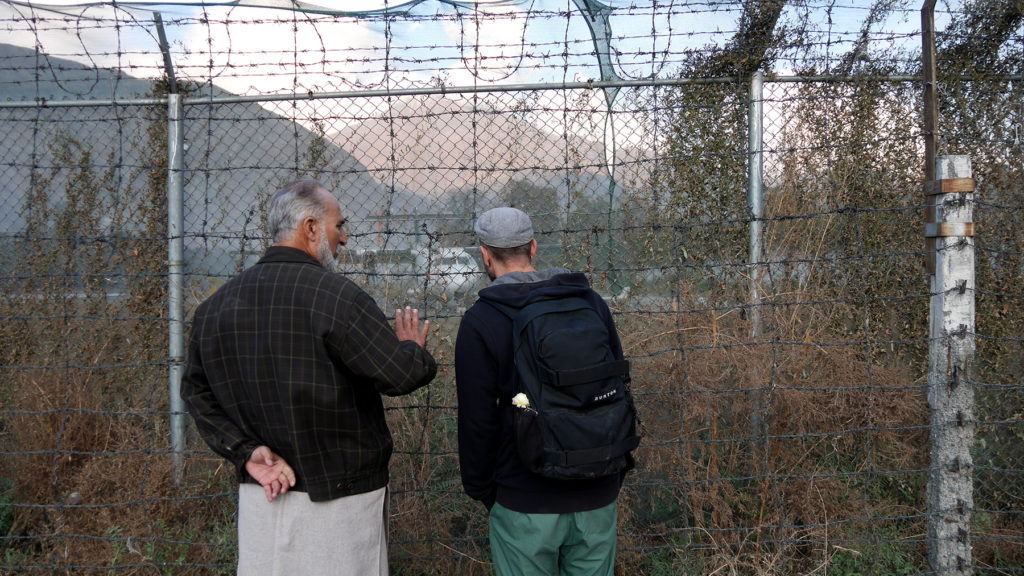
point(526, 288)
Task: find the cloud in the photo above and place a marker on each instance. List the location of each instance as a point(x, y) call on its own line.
point(101, 36)
point(491, 41)
point(254, 51)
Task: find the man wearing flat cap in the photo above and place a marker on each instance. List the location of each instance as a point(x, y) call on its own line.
point(538, 525)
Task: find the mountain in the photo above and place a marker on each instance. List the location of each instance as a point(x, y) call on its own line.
point(235, 154)
point(26, 75)
point(439, 145)
point(400, 168)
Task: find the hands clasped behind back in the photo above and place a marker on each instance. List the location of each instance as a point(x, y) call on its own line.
point(271, 471)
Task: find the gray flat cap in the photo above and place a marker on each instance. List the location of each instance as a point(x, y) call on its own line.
point(504, 228)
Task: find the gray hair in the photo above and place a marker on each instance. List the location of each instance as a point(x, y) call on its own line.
point(292, 204)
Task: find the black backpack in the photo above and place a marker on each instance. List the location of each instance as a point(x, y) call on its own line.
point(580, 421)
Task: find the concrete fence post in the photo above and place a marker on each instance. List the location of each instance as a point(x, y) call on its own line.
point(950, 501)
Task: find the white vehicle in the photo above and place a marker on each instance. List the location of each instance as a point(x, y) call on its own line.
point(438, 277)
point(450, 274)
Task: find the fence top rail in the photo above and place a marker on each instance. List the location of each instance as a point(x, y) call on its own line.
point(442, 90)
point(44, 103)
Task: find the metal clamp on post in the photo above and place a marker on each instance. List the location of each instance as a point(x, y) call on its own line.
point(946, 229)
point(948, 186)
point(933, 188)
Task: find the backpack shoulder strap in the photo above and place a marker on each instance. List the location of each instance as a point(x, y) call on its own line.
point(522, 316)
point(539, 308)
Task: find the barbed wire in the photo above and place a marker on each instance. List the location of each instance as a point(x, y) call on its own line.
point(803, 446)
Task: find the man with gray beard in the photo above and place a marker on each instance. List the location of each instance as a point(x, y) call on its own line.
point(286, 366)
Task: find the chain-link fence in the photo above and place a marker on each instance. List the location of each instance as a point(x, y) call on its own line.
point(783, 392)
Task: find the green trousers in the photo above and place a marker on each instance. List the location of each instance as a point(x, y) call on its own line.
point(577, 544)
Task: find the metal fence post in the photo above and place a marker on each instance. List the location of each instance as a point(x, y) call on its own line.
point(931, 113)
point(755, 195)
point(755, 202)
point(950, 497)
point(175, 276)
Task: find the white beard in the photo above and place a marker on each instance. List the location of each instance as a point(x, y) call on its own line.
point(323, 253)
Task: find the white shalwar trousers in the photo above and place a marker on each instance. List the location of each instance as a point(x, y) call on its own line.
point(295, 536)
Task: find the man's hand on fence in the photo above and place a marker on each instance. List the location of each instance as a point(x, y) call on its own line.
point(271, 471)
point(407, 326)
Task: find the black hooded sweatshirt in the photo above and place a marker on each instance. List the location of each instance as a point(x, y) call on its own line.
point(485, 372)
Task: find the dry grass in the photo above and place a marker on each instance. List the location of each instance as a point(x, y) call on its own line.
point(757, 459)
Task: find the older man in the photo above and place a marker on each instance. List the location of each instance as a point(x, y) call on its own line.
point(286, 365)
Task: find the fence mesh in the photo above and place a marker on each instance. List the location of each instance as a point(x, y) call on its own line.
point(787, 434)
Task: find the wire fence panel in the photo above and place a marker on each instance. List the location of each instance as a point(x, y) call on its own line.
point(783, 393)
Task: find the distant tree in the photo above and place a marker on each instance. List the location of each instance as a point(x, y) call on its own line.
point(697, 207)
point(461, 208)
point(588, 232)
point(83, 248)
point(146, 261)
point(753, 46)
point(540, 202)
point(316, 151)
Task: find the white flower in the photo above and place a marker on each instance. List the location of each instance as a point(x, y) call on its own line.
point(520, 401)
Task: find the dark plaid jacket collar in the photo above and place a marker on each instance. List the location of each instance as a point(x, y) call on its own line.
point(287, 254)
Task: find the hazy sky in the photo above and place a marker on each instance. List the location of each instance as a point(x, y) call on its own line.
point(251, 50)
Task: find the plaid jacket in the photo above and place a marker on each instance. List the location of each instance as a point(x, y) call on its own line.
point(294, 357)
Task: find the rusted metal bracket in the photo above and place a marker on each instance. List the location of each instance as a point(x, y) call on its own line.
point(947, 229)
point(948, 186)
point(932, 190)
